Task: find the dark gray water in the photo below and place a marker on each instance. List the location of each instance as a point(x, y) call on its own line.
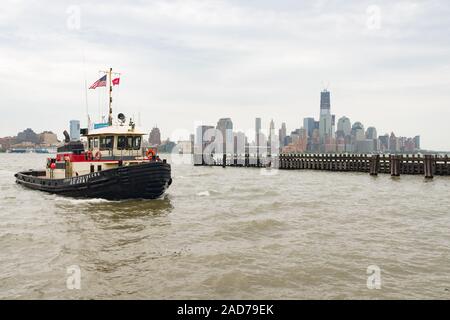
point(230, 233)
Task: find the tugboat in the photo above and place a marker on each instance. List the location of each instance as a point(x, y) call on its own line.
point(112, 167)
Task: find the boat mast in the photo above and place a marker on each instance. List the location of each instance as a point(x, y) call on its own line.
point(109, 74)
point(110, 98)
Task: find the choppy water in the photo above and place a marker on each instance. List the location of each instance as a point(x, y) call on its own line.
point(230, 233)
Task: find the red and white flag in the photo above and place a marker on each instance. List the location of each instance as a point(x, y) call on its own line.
point(116, 81)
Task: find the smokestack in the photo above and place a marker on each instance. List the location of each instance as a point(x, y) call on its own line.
point(66, 135)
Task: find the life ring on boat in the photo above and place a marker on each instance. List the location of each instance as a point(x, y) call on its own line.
point(150, 154)
point(89, 155)
point(98, 155)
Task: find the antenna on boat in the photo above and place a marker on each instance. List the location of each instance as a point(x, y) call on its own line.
point(86, 90)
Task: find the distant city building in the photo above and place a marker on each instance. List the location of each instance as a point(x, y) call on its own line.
point(257, 130)
point(326, 121)
point(271, 127)
point(225, 126)
point(192, 139)
point(316, 125)
point(240, 143)
point(166, 146)
point(27, 135)
point(75, 130)
point(48, 138)
point(371, 133)
point(258, 137)
point(384, 143)
point(364, 146)
point(417, 142)
point(184, 146)
point(358, 132)
point(333, 125)
point(282, 135)
point(298, 141)
point(309, 126)
point(7, 142)
point(407, 145)
point(325, 102)
point(272, 137)
point(325, 126)
point(155, 137)
point(344, 125)
point(393, 143)
point(204, 136)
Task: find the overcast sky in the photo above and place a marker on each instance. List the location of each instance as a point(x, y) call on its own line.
point(386, 63)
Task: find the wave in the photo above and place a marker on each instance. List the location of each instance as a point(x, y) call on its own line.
point(207, 193)
point(200, 174)
point(83, 201)
point(249, 228)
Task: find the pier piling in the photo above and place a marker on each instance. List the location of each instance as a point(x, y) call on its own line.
point(374, 165)
point(395, 165)
point(428, 165)
point(224, 160)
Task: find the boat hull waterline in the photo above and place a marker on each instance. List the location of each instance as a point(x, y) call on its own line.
point(142, 181)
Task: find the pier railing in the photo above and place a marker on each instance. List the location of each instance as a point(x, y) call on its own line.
point(396, 165)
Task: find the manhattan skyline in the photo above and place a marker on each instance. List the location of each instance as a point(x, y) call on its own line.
point(386, 65)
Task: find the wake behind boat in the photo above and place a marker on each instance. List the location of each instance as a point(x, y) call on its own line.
point(114, 166)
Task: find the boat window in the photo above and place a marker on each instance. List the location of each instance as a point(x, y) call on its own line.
point(121, 143)
point(136, 143)
point(129, 142)
point(96, 142)
point(90, 143)
point(106, 143)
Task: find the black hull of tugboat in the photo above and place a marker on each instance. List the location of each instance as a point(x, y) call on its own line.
point(142, 181)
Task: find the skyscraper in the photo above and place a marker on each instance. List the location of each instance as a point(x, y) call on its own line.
point(325, 127)
point(155, 137)
point(344, 125)
point(417, 142)
point(282, 134)
point(225, 126)
point(371, 133)
point(271, 129)
point(272, 125)
point(192, 139)
point(393, 143)
point(358, 131)
point(326, 118)
point(202, 140)
point(308, 125)
point(384, 143)
point(325, 102)
point(257, 130)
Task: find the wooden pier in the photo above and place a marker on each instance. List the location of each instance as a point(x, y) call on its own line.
point(395, 165)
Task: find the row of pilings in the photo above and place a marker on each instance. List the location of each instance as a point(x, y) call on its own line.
point(393, 164)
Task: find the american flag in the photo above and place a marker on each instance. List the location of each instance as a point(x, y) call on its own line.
point(99, 83)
